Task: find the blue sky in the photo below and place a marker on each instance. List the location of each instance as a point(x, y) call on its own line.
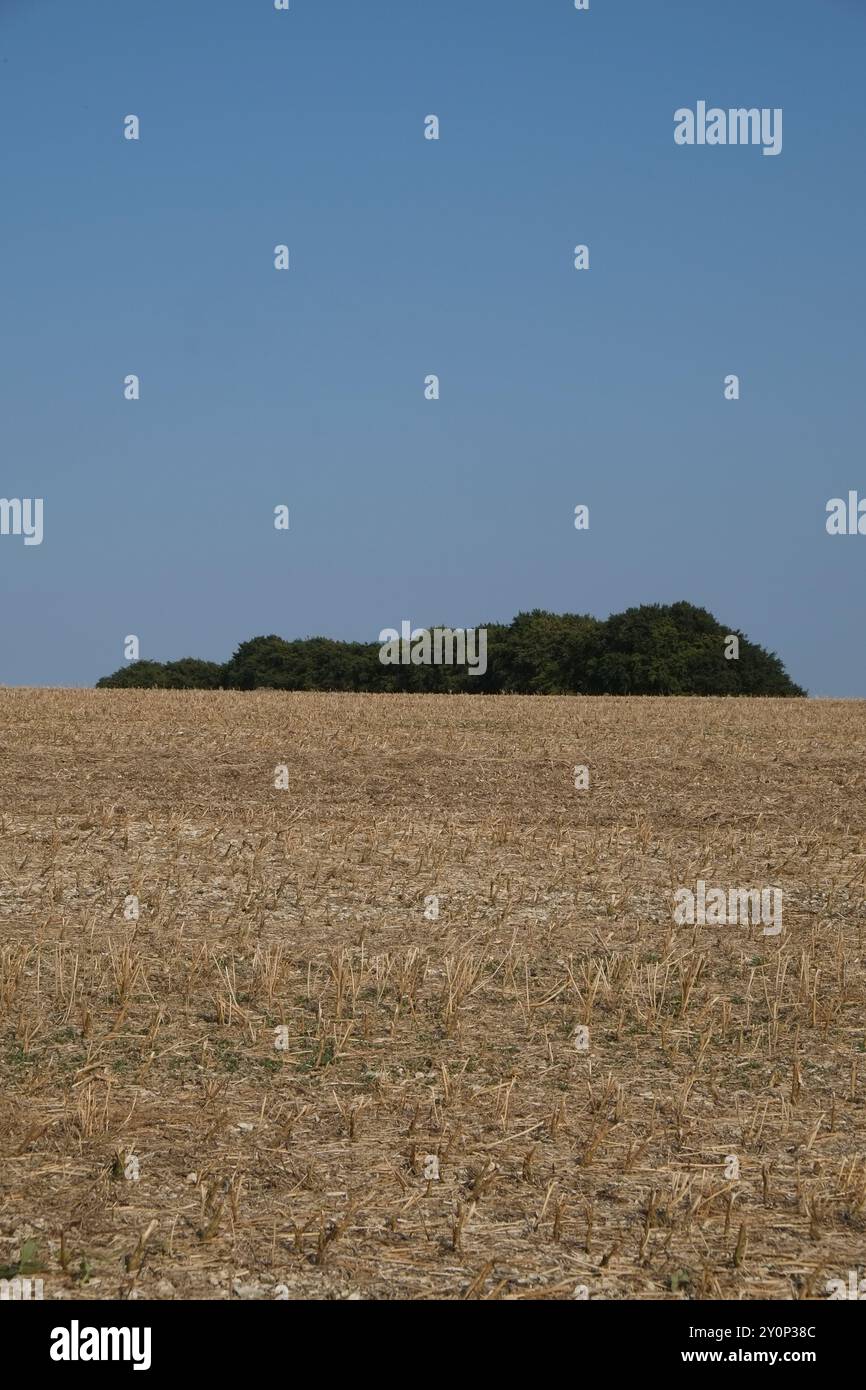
point(411, 257)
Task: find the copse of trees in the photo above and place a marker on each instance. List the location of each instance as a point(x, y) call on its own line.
point(187, 674)
point(656, 649)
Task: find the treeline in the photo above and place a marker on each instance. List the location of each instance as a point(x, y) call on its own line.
point(656, 649)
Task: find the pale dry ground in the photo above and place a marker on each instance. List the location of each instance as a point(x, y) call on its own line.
point(409, 1037)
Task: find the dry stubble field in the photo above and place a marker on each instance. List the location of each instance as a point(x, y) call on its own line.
point(300, 1172)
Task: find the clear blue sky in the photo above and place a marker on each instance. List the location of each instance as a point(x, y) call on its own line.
point(411, 257)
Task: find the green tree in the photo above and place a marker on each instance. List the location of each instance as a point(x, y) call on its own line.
point(654, 649)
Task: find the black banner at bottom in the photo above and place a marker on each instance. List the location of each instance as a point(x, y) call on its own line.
point(59, 1338)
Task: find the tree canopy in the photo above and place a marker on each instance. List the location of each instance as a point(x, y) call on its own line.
point(656, 649)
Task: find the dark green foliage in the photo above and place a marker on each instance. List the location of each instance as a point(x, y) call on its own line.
point(143, 674)
point(317, 663)
point(679, 650)
point(673, 649)
point(187, 674)
point(192, 674)
point(550, 653)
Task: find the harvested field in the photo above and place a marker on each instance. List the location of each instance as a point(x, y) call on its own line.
point(298, 1170)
